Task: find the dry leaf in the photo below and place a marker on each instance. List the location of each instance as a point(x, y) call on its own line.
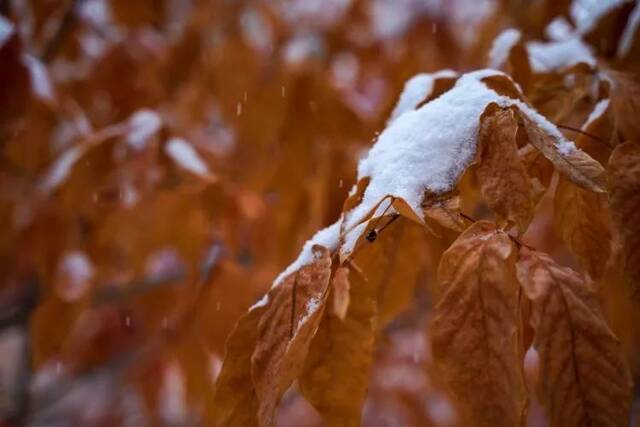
point(336, 373)
point(583, 379)
point(475, 331)
point(503, 178)
point(624, 198)
point(444, 210)
point(576, 165)
point(581, 218)
point(235, 402)
point(539, 169)
point(625, 104)
point(285, 332)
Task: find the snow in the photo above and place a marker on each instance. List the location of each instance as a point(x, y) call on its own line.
point(501, 47)
point(312, 305)
point(172, 396)
point(597, 112)
point(301, 48)
point(551, 56)
point(256, 31)
point(416, 89)
point(186, 156)
point(261, 302)
point(328, 237)
point(6, 30)
point(40, 82)
point(586, 13)
point(74, 273)
point(344, 69)
point(559, 29)
point(143, 124)
point(630, 31)
point(61, 168)
point(427, 149)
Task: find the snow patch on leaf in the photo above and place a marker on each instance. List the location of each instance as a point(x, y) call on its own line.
point(502, 45)
point(186, 156)
point(328, 237)
point(40, 81)
point(597, 112)
point(143, 125)
point(417, 89)
point(624, 45)
point(551, 56)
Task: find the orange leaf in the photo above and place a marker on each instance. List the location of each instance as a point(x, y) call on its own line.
point(504, 182)
point(624, 197)
point(476, 329)
point(583, 376)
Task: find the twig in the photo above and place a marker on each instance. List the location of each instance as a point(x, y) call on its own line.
point(595, 138)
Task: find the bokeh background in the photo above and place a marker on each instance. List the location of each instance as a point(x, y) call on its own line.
point(161, 161)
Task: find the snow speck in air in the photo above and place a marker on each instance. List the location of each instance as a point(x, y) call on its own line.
point(186, 156)
point(501, 47)
point(143, 124)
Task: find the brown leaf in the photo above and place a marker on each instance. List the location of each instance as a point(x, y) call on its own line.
point(625, 104)
point(235, 402)
point(582, 220)
point(475, 332)
point(539, 169)
point(624, 197)
point(285, 332)
point(383, 276)
point(583, 376)
point(503, 178)
point(503, 85)
point(444, 210)
point(576, 165)
point(336, 373)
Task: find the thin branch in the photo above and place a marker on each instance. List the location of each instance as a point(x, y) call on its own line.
point(595, 138)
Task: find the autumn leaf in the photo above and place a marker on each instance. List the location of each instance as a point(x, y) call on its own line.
point(266, 351)
point(235, 402)
point(444, 210)
point(475, 332)
point(336, 373)
point(581, 218)
point(503, 178)
point(539, 169)
point(573, 163)
point(285, 332)
point(583, 378)
point(624, 197)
